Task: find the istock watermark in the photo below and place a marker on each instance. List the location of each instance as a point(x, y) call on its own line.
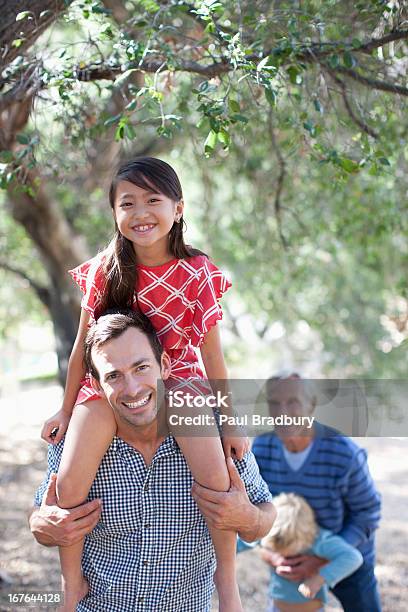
point(180, 398)
point(291, 406)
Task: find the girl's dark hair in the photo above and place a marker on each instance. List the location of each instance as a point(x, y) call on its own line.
point(119, 268)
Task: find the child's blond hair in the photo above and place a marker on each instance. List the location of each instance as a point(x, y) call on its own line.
point(294, 527)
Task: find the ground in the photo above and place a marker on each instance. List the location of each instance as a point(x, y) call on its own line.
point(31, 566)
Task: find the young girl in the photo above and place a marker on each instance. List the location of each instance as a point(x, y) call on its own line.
point(296, 532)
point(147, 266)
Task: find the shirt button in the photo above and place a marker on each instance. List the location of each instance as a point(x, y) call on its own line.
point(147, 525)
point(146, 487)
point(141, 598)
point(145, 562)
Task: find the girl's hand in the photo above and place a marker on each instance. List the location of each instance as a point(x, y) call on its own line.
point(59, 421)
point(235, 446)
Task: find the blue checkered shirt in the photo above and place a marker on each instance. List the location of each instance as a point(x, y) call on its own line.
point(151, 550)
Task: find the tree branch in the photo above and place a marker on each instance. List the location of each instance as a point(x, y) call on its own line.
point(317, 51)
point(41, 291)
point(372, 83)
point(279, 187)
point(26, 30)
point(357, 120)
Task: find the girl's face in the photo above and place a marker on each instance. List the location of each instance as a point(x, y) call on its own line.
point(145, 217)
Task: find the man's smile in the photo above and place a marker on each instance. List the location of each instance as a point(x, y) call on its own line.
point(139, 403)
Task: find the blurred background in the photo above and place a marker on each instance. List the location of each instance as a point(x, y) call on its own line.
point(286, 122)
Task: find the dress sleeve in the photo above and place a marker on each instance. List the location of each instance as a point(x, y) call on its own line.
point(211, 286)
point(89, 278)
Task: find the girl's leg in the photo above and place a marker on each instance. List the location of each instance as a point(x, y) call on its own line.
point(89, 434)
point(205, 457)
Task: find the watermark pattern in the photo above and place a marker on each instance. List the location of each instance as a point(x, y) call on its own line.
point(289, 406)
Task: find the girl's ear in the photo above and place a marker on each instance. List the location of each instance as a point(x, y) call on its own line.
point(165, 366)
point(179, 210)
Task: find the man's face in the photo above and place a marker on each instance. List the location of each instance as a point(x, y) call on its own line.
point(128, 373)
point(287, 396)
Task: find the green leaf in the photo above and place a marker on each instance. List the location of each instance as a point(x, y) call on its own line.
point(240, 118)
point(384, 161)
point(6, 157)
point(318, 106)
point(294, 75)
point(270, 95)
point(106, 33)
point(233, 105)
point(17, 42)
point(349, 59)
point(224, 138)
point(131, 106)
point(23, 139)
point(308, 125)
point(333, 61)
point(112, 120)
point(210, 142)
point(149, 5)
point(130, 131)
point(23, 15)
point(120, 132)
point(349, 165)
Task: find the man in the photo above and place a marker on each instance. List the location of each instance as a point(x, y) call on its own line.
point(330, 471)
point(151, 549)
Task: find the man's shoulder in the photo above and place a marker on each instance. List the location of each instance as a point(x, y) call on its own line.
point(332, 441)
point(265, 443)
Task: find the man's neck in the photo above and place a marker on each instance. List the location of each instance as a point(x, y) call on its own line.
point(144, 439)
point(297, 444)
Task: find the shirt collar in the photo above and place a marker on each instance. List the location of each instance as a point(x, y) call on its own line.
point(167, 447)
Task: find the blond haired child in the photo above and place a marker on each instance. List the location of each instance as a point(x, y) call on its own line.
point(295, 532)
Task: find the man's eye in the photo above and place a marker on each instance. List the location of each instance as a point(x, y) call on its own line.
point(142, 368)
point(111, 376)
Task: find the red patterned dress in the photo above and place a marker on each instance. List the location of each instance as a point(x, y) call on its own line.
point(180, 298)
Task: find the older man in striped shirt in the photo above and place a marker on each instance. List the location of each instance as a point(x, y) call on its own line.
point(330, 471)
point(151, 550)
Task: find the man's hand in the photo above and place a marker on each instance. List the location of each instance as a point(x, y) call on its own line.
point(55, 526)
point(297, 568)
point(228, 510)
point(232, 510)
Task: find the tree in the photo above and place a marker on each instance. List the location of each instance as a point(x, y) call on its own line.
point(260, 90)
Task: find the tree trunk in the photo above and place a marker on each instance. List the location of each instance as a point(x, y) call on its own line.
point(59, 250)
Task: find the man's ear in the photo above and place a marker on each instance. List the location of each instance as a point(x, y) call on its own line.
point(313, 404)
point(165, 365)
point(96, 386)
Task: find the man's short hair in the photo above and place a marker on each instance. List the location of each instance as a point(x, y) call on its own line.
point(283, 376)
point(113, 324)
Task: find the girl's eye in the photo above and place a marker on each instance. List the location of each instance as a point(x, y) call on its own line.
point(153, 201)
point(125, 204)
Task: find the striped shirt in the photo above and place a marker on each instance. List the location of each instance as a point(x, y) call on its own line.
point(151, 550)
point(334, 479)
